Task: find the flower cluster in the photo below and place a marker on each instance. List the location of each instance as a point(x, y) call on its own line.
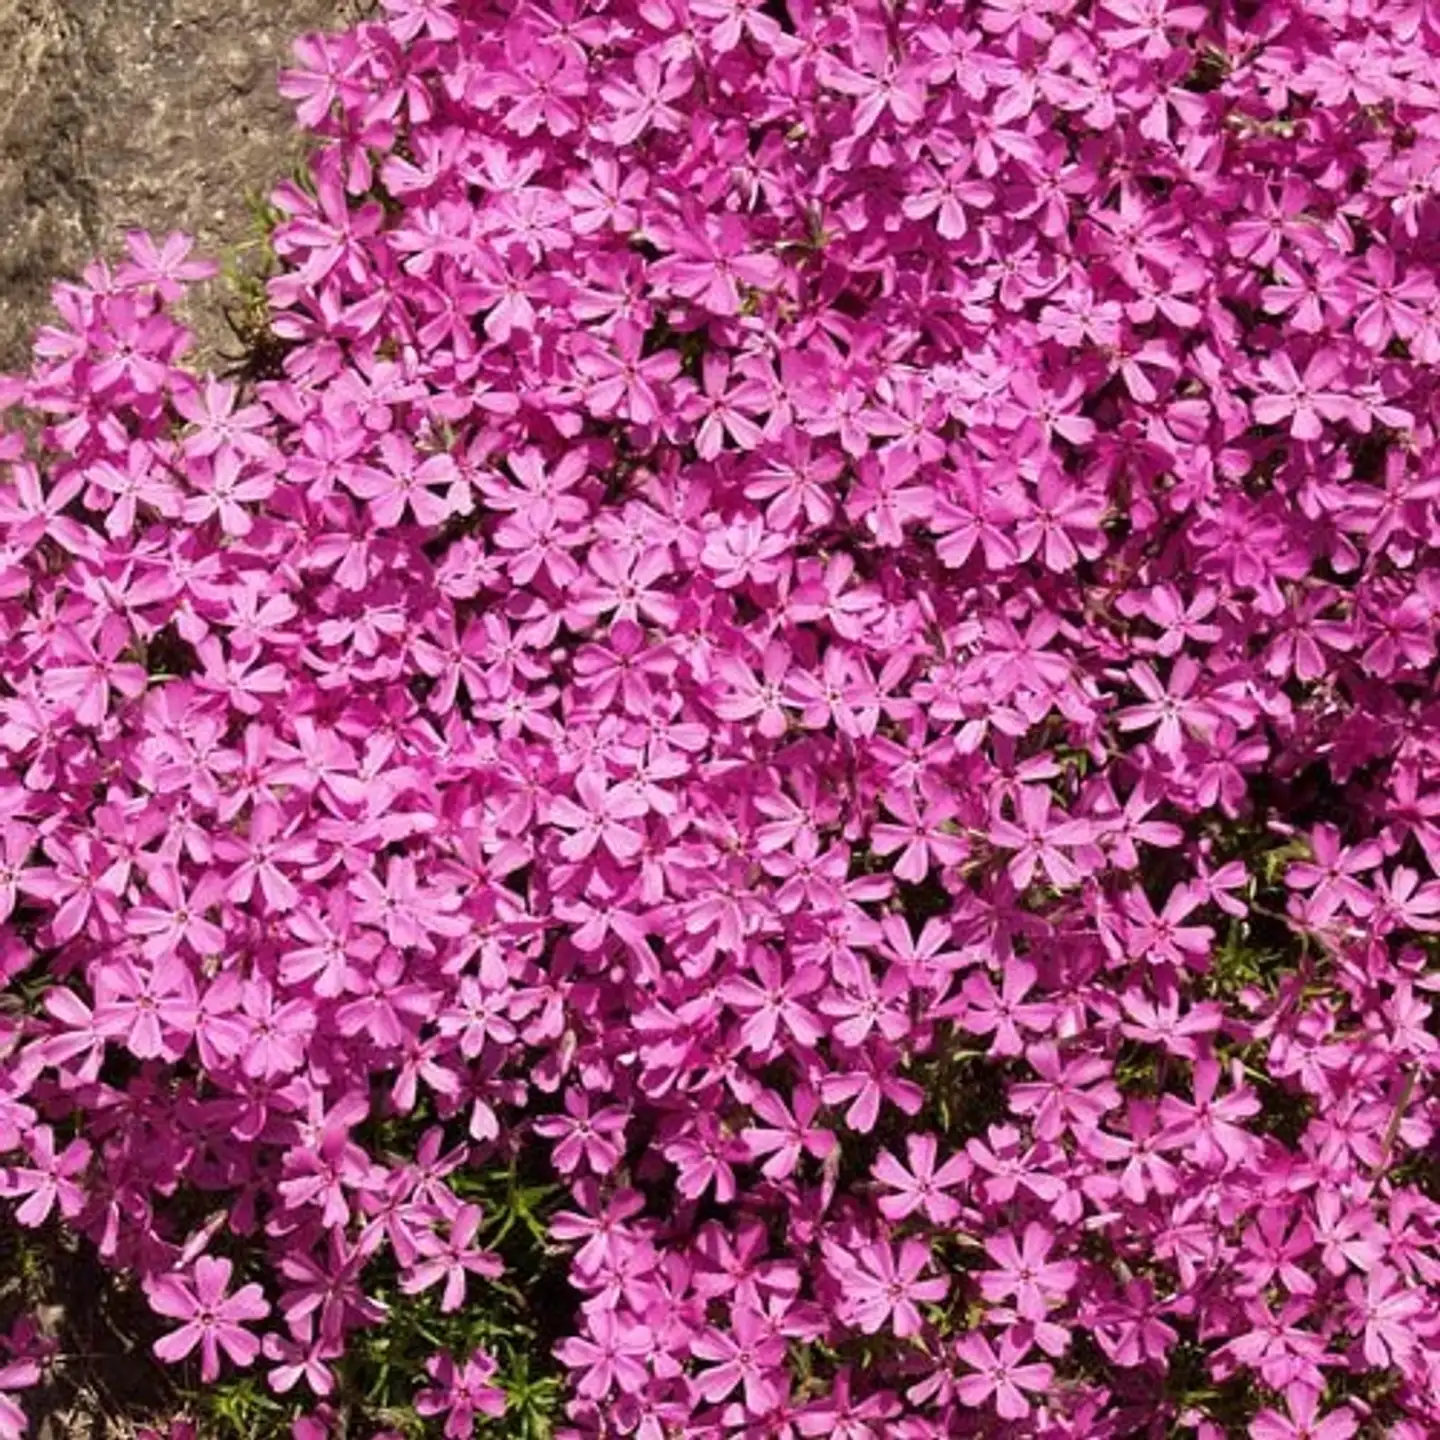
point(827, 617)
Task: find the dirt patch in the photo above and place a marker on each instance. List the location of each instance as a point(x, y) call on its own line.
point(114, 114)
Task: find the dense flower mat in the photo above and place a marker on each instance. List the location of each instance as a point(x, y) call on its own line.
point(815, 632)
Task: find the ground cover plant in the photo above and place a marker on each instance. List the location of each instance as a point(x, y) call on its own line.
point(772, 765)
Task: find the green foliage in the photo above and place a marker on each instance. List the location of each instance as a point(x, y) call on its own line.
point(241, 1408)
point(516, 1318)
point(245, 270)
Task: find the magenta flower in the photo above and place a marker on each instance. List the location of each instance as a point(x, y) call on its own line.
point(212, 1319)
point(610, 1356)
point(883, 1285)
point(584, 1135)
point(1039, 840)
point(787, 1133)
point(710, 262)
point(1025, 1274)
point(599, 818)
point(1304, 400)
point(746, 1356)
point(1169, 707)
point(1304, 1421)
point(47, 1182)
point(999, 1378)
point(461, 1393)
point(620, 381)
point(923, 1185)
point(1392, 1316)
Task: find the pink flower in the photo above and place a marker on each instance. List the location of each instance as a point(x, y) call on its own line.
point(882, 1286)
point(1304, 1421)
point(1169, 708)
point(1392, 1315)
point(599, 819)
point(584, 1135)
point(1026, 1275)
point(747, 1357)
point(926, 837)
point(923, 1185)
point(1305, 400)
point(1332, 876)
point(452, 1259)
point(1039, 840)
point(785, 1136)
point(610, 1355)
point(48, 1181)
point(708, 265)
point(403, 482)
point(999, 1378)
point(461, 1392)
point(212, 1319)
point(619, 381)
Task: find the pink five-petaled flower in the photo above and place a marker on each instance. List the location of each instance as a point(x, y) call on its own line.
point(923, 1186)
point(920, 834)
point(1170, 709)
point(748, 1356)
point(1210, 1128)
point(178, 918)
point(224, 487)
point(879, 81)
point(982, 1010)
point(302, 1355)
point(1026, 1274)
point(610, 1356)
point(152, 1006)
point(212, 1319)
point(600, 1225)
point(787, 1133)
point(1332, 876)
point(91, 672)
point(622, 380)
point(83, 885)
point(211, 409)
point(1040, 839)
point(1070, 1094)
point(759, 699)
point(452, 1259)
point(1393, 1317)
point(48, 1180)
point(163, 266)
point(1305, 400)
point(584, 1136)
point(1001, 1374)
point(772, 999)
point(1164, 939)
point(882, 1285)
point(406, 480)
point(744, 551)
point(599, 818)
point(410, 912)
point(461, 1392)
point(726, 411)
point(710, 262)
point(1304, 1421)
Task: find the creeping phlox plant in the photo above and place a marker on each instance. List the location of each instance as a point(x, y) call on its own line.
point(814, 634)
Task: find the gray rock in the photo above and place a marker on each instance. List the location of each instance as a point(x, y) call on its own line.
point(159, 114)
